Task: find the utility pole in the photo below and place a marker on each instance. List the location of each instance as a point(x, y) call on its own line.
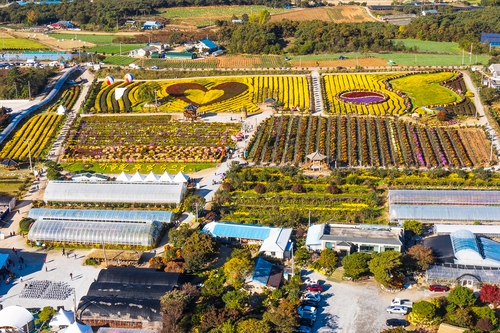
point(29, 90)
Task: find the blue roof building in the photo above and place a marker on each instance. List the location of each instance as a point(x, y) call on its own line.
point(207, 44)
point(267, 274)
point(151, 25)
point(273, 241)
point(491, 38)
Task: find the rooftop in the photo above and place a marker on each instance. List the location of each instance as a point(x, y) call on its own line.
point(208, 43)
point(490, 37)
point(441, 197)
point(362, 233)
point(444, 213)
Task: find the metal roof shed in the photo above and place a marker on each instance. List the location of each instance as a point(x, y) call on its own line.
point(180, 55)
point(449, 197)
point(137, 192)
point(441, 214)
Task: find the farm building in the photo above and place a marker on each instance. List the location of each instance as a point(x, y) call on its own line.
point(471, 276)
point(273, 242)
point(180, 55)
point(89, 227)
point(152, 25)
point(429, 12)
point(494, 70)
point(490, 38)
point(128, 298)
point(7, 205)
point(16, 319)
point(444, 206)
point(267, 274)
point(89, 177)
point(354, 238)
point(206, 45)
point(115, 191)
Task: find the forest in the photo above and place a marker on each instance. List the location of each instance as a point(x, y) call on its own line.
point(14, 82)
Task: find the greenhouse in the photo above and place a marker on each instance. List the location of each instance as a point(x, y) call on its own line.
point(443, 197)
point(462, 274)
point(444, 214)
point(101, 215)
point(115, 192)
point(95, 233)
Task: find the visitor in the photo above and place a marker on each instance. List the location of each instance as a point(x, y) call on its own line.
point(63, 253)
point(71, 276)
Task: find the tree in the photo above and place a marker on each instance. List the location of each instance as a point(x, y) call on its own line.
point(173, 304)
point(194, 203)
point(302, 255)
point(264, 16)
point(214, 285)
point(485, 325)
point(46, 314)
point(198, 251)
point(236, 270)
point(283, 318)
point(253, 325)
point(177, 237)
point(462, 297)
point(32, 17)
point(260, 188)
point(413, 226)
point(327, 260)
point(298, 188)
point(422, 313)
point(462, 317)
point(385, 267)
point(333, 189)
point(356, 265)
point(235, 299)
point(490, 294)
point(422, 256)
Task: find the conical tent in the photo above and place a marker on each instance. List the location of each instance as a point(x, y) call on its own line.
point(151, 177)
point(123, 177)
point(166, 177)
point(78, 328)
point(63, 318)
point(316, 156)
point(137, 177)
point(181, 178)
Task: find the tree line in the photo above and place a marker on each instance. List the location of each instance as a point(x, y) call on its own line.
point(19, 83)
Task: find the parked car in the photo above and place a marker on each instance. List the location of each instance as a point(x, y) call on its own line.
point(311, 281)
point(306, 308)
point(397, 309)
point(307, 319)
point(402, 302)
point(316, 288)
point(302, 329)
point(155, 67)
point(438, 288)
point(309, 303)
point(394, 322)
point(312, 297)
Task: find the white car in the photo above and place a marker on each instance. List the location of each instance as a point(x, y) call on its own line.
point(397, 309)
point(306, 309)
point(311, 281)
point(312, 297)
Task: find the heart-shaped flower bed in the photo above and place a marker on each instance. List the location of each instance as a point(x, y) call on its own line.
point(199, 95)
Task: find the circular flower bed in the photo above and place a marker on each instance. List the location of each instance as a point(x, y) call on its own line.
point(362, 97)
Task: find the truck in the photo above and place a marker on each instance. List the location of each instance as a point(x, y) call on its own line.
point(401, 302)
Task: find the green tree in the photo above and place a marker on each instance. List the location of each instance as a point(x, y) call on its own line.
point(235, 299)
point(413, 226)
point(462, 317)
point(194, 203)
point(422, 313)
point(283, 318)
point(421, 256)
point(46, 314)
point(302, 255)
point(236, 270)
point(214, 285)
point(177, 237)
point(264, 16)
point(386, 267)
point(462, 297)
point(253, 325)
point(327, 260)
point(485, 312)
point(198, 251)
point(356, 265)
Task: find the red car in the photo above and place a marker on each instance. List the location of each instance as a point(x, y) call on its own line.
point(316, 288)
point(438, 288)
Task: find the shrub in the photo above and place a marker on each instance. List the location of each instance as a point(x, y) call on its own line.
point(274, 187)
point(333, 189)
point(298, 188)
point(260, 189)
point(226, 186)
point(91, 262)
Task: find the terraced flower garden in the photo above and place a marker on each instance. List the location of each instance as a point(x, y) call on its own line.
point(210, 95)
point(367, 141)
point(400, 93)
point(147, 139)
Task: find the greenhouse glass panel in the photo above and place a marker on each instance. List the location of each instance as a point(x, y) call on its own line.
point(101, 215)
point(442, 197)
point(451, 272)
point(464, 240)
point(84, 232)
point(436, 213)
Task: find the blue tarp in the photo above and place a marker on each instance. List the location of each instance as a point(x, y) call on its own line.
point(262, 271)
point(245, 231)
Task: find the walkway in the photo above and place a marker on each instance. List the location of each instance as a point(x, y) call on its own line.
point(318, 96)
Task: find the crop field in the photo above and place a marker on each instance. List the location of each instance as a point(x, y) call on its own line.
point(419, 59)
point(367, 141)
point(89, 38)
point(119, 60)
point(147, 139)
point(170, 63)
point(337, 14)
point(430, 46)
point(206, 15)
point(229, 94)
point(115, 48)
point(21, 44)
point(399, 93)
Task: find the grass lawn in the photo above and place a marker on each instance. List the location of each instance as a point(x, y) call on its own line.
point(91, 38)
point(410, 59)
point(424, 89)
point(21, 44)
point(429, 46)
point(115, 48)
point(204, 16)
point(119, 60)
point(117, 168)
point(168, 63)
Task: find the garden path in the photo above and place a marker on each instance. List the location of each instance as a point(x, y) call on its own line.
point(318, 96)
point(483, 120)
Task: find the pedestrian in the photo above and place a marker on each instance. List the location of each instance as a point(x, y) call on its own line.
point(67, 254)
point(46, 269)
point(75, 255)
point(63, 252)
point(71, 276)
point(25, 285)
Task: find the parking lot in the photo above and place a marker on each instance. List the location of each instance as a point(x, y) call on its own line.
point(358, 307)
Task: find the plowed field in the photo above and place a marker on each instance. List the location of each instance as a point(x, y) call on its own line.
point(329, 14)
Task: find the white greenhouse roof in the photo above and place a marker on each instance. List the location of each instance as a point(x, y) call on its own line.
point(91, 233)
point(445, 229)
point(440, 213)
point(101, 215)
point(15, 316)
point(68, 191)
point(469, 250)
point(441, 197)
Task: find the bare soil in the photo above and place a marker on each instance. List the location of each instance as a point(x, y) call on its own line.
point(329, 14)
point(362, 62)
point(53, 43)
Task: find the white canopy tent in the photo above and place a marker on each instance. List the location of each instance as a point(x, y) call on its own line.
point(123, 177)
point(62, 318)
point(166, 177)
point(181, 178)
point(16, 317)
point(151, 177)
point(137, 177)
point(76, 327)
